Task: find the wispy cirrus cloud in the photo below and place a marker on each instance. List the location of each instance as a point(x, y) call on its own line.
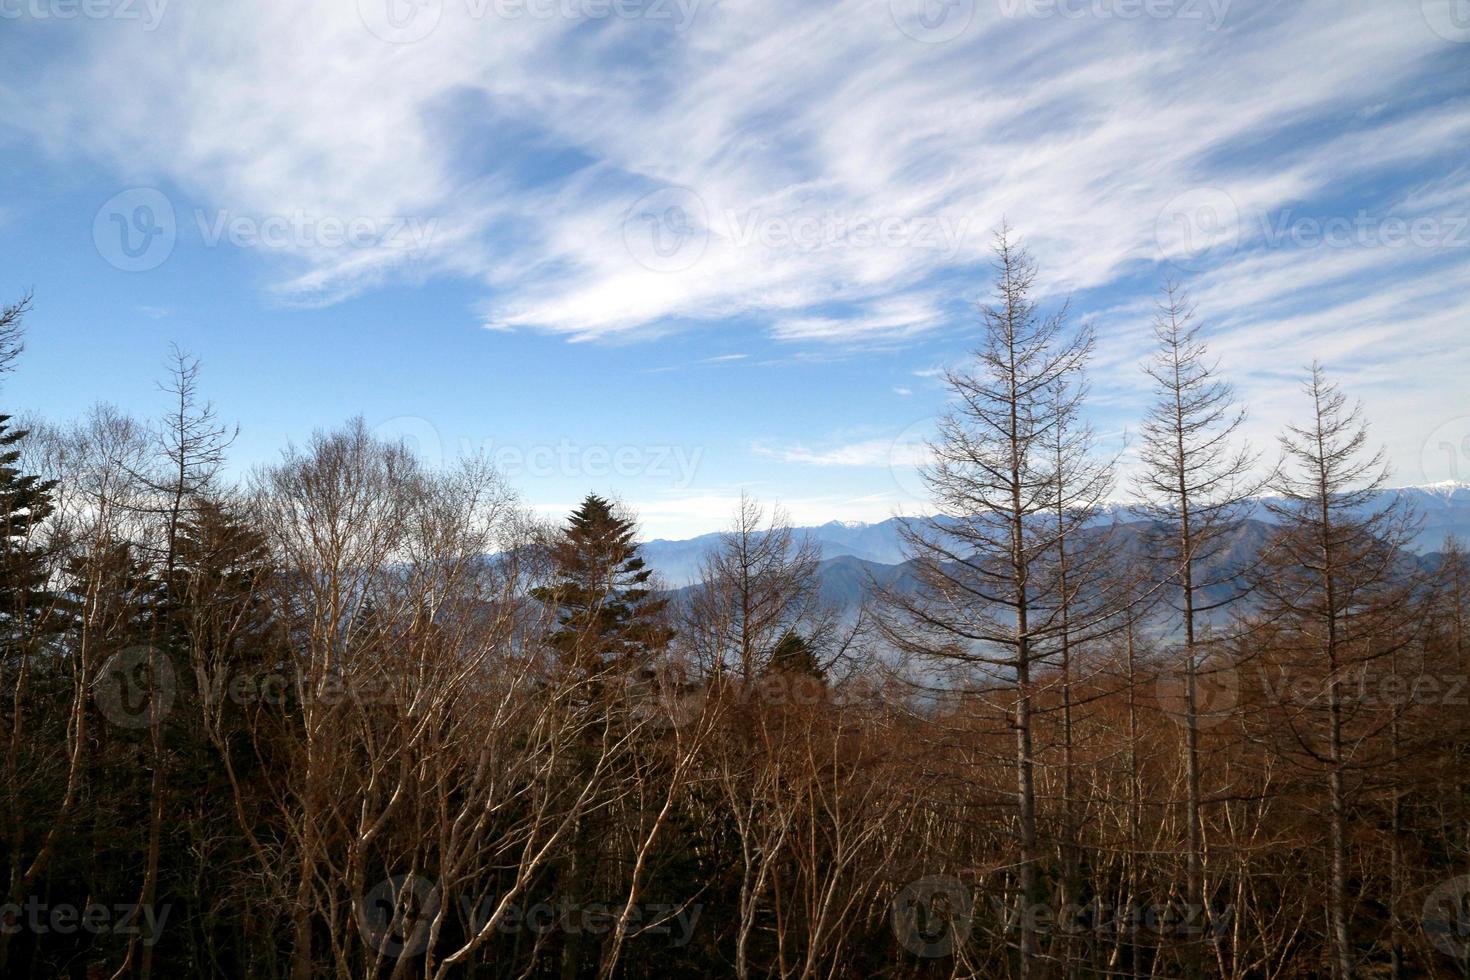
point(869, 452)
point(883, 452)
point(822, 171)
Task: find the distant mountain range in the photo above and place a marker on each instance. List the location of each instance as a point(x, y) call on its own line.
point(882, 544)
point(853, 551)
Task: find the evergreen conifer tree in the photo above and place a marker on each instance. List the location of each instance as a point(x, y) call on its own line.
point(608, 614)
point(25, 501)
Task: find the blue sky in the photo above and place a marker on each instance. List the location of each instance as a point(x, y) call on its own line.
point(673, 249)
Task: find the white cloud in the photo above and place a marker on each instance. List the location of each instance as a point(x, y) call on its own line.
point(786, 122)
point(871, 452)
point(905, 451)
point(841, 177)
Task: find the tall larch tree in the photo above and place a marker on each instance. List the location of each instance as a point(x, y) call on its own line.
point(1337, 585)
point(1194, 483)
point(988, 594)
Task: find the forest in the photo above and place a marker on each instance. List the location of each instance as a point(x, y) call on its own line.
point(351, 715)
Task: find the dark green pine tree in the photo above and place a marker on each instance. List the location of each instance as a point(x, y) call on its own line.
point(609, 622)
point(37, 689)
point(222, 629)
point(221, 616)
point(794, 655)
point(608, 615)
point(25, 501)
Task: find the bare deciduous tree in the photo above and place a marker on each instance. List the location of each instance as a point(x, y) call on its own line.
point(990, 599)
point(1193, 482)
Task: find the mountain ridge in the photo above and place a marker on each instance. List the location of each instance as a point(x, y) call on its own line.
point(1444, 509)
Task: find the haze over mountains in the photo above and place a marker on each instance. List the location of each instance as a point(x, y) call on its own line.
point(851, 551)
